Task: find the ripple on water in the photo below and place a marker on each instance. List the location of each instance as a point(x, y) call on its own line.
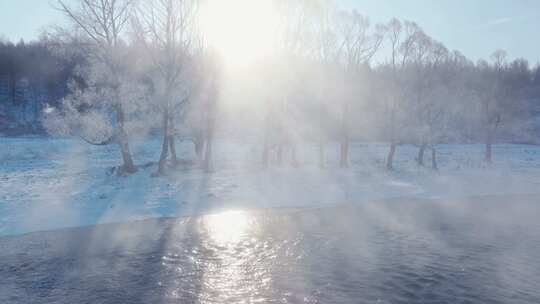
point(334, 255)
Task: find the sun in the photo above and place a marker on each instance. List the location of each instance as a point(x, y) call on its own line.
point(242, 32)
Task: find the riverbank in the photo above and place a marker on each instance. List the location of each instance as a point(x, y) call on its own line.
point(54, 183)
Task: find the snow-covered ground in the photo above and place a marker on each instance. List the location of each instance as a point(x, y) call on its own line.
point(50, 183)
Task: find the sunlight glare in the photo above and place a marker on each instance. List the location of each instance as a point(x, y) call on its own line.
point(241, 31)
point(227, 227)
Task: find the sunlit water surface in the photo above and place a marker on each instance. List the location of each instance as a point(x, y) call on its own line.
point(484, 250)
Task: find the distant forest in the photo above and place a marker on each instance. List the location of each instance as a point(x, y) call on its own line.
point(32, 77)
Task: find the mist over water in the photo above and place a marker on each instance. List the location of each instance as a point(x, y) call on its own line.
point(403, 251)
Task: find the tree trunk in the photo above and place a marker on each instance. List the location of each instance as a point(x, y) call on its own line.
point(390, 158)
point(280, 154)
point(172, 147)
point(208, 163)
point(165, 144)
point(321, 138)
point(172, 144)
point(488, 153)
point(344, 159)
point(488, 156)
point(421, 153)
point(13, 88)
point(265, 153)
point(321, 153)
point(266, 140)
point(199, 145)
point(294, 157)
point(489, 140)
point(208, 166)
point(127, 167)
point(434, 159)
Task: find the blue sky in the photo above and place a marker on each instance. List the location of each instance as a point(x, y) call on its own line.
point(475, 27)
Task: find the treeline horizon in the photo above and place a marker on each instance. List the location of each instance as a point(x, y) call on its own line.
point(128, 73)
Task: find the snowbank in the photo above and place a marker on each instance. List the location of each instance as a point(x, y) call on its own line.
point(53, 183)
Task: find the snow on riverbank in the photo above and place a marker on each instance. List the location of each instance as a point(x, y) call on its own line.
point(53, 183)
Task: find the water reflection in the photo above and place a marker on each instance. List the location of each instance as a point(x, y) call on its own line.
point(473, 253)
point(233, 274)
point(227, 228)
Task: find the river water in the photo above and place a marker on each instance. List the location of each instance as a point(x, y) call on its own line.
point(480, 250)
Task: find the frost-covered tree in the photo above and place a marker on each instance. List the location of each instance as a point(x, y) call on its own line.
point(427, 94)
point(402, 38)
point(209, 93)
point(356, 47)
point(167, 29)
point(283, 75)
point(491, 94)
point(323, 47)
point(503, 90)
point(103, 23)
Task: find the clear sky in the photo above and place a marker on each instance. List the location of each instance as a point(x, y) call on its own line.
point(475, 27)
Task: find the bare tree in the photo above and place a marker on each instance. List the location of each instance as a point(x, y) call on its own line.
point(491, 93)
point(167, 29)
point(324, 48)
point(211, 82)
point(401, 37)
point(435, 111)
point(357, 46)
point(427, 107)
point(295, 42)
point(104, 22)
